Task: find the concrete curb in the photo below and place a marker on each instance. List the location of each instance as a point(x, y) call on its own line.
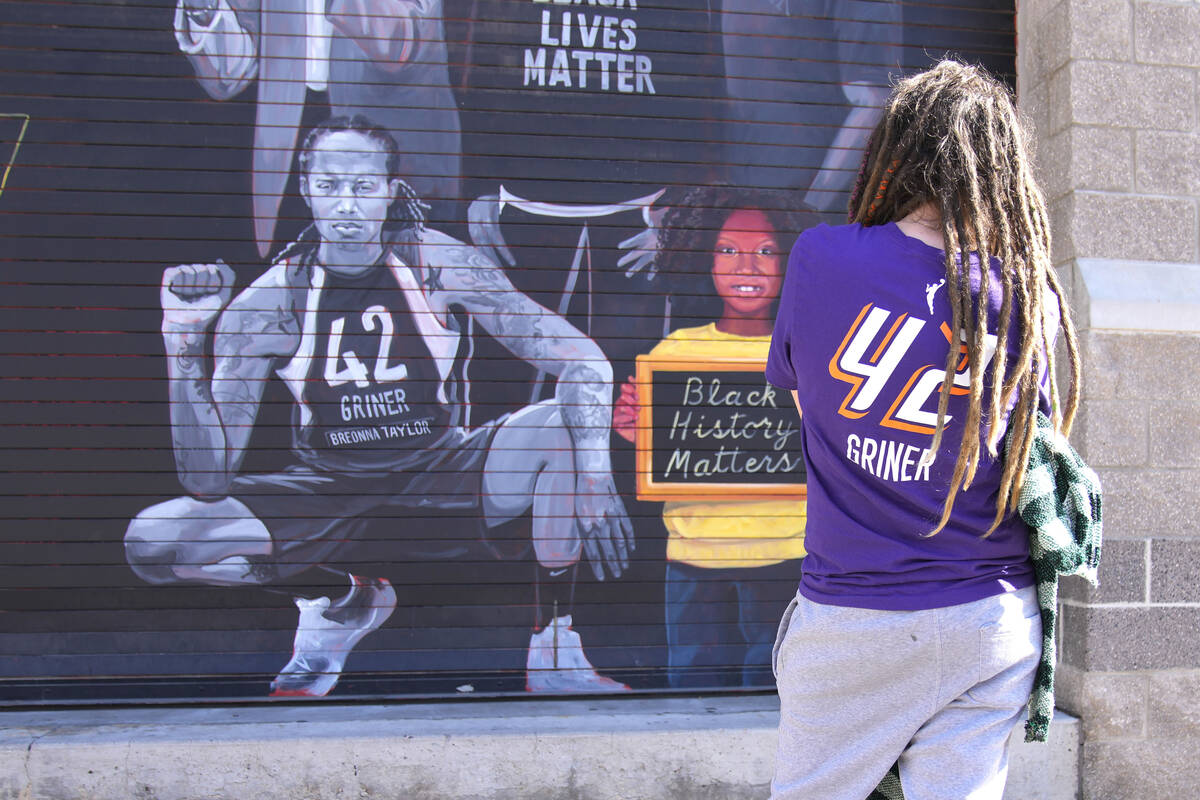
point(715, 748)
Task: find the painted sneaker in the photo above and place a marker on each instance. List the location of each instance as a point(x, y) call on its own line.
point(322, 643)
point(556, 663)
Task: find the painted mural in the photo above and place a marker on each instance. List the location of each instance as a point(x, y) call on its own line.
point(324, 315)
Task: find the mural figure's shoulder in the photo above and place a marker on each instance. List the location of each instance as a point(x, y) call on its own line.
point(443, 249)
point(264, 318)
point(450, 265)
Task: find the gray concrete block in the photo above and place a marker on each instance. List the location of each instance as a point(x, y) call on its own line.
point(1136, 96)
point(1080, 157)
point(1050, 44)
point(1110, 705)
point(1033, 104)
point(1120, 639)
point(1032, 15)
point(1139, 227)
point(714, 748)
point(1101, 29)
point(1167, 33)
point(1175, 431)
point(1168, 162)
point(1153, 769)
point(1052, 165)
point(1145, 503)
point(1101, 159)
point(1062, 242)
point(1175, 571)
point(1130, 366)
point(1172, 711)
point(1113, 433)
point(1059, 112)
point(1122, 575)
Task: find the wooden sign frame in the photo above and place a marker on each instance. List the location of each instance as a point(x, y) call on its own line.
point(650, 490)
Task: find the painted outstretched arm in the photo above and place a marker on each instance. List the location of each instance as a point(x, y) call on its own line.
point(211, 419)
point(583, 390)
point(842, 157)
point(222, 50)
point(385, 30)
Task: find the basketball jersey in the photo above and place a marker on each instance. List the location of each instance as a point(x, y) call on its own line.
point(370, 374)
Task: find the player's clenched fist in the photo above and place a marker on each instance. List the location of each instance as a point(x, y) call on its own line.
point(192, 295)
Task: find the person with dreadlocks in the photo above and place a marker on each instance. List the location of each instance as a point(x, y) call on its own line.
point(915, 339)
point(356, 319)
point(731, 564)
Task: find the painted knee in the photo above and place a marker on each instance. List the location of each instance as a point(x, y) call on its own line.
point(556, 548)
point(148, 551)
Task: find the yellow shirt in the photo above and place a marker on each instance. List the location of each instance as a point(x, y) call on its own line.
point(729, 533)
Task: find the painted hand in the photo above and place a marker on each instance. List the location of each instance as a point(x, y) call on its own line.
point(643, 245)
point(625, 411)
point(604, 524)
point(192, 295)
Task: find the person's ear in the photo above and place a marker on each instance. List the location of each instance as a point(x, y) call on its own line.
point(304, 191)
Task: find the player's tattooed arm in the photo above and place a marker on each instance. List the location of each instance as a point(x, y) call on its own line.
point(583, 391)
point(211, 418)
point(542, 338)
point(259, 327)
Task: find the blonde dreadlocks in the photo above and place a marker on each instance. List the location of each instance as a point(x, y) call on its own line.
point(951, 137)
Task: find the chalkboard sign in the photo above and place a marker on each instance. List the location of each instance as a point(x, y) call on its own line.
point(715, 429)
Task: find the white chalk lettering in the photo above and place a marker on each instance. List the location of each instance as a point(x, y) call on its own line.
point(678, 461)
point(718, 396)
point(726, 461)
point(680, 426)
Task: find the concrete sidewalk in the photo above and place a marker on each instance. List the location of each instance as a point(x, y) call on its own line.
point(619, 748)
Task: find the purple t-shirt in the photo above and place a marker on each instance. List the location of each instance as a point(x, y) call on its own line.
point(862, 335)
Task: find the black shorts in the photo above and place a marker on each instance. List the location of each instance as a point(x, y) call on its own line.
point(314, 515)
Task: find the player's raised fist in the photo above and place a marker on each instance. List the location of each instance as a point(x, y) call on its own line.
point(192, 295)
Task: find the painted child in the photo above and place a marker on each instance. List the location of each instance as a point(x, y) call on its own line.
point(731, 564)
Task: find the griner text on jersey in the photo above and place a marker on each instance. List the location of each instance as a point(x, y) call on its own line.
point(373, 406)
point(888, 459)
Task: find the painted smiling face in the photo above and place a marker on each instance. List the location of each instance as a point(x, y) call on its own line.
point(348, 189)
point(747, 265)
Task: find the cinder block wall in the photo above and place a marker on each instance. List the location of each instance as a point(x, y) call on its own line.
point(1113, 90)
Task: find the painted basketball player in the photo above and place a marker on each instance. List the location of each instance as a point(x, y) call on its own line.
point(355, 318)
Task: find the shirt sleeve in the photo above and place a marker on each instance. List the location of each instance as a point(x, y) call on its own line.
point(781, 370)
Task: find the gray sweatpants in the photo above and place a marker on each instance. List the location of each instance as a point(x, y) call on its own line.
point(939, 689)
